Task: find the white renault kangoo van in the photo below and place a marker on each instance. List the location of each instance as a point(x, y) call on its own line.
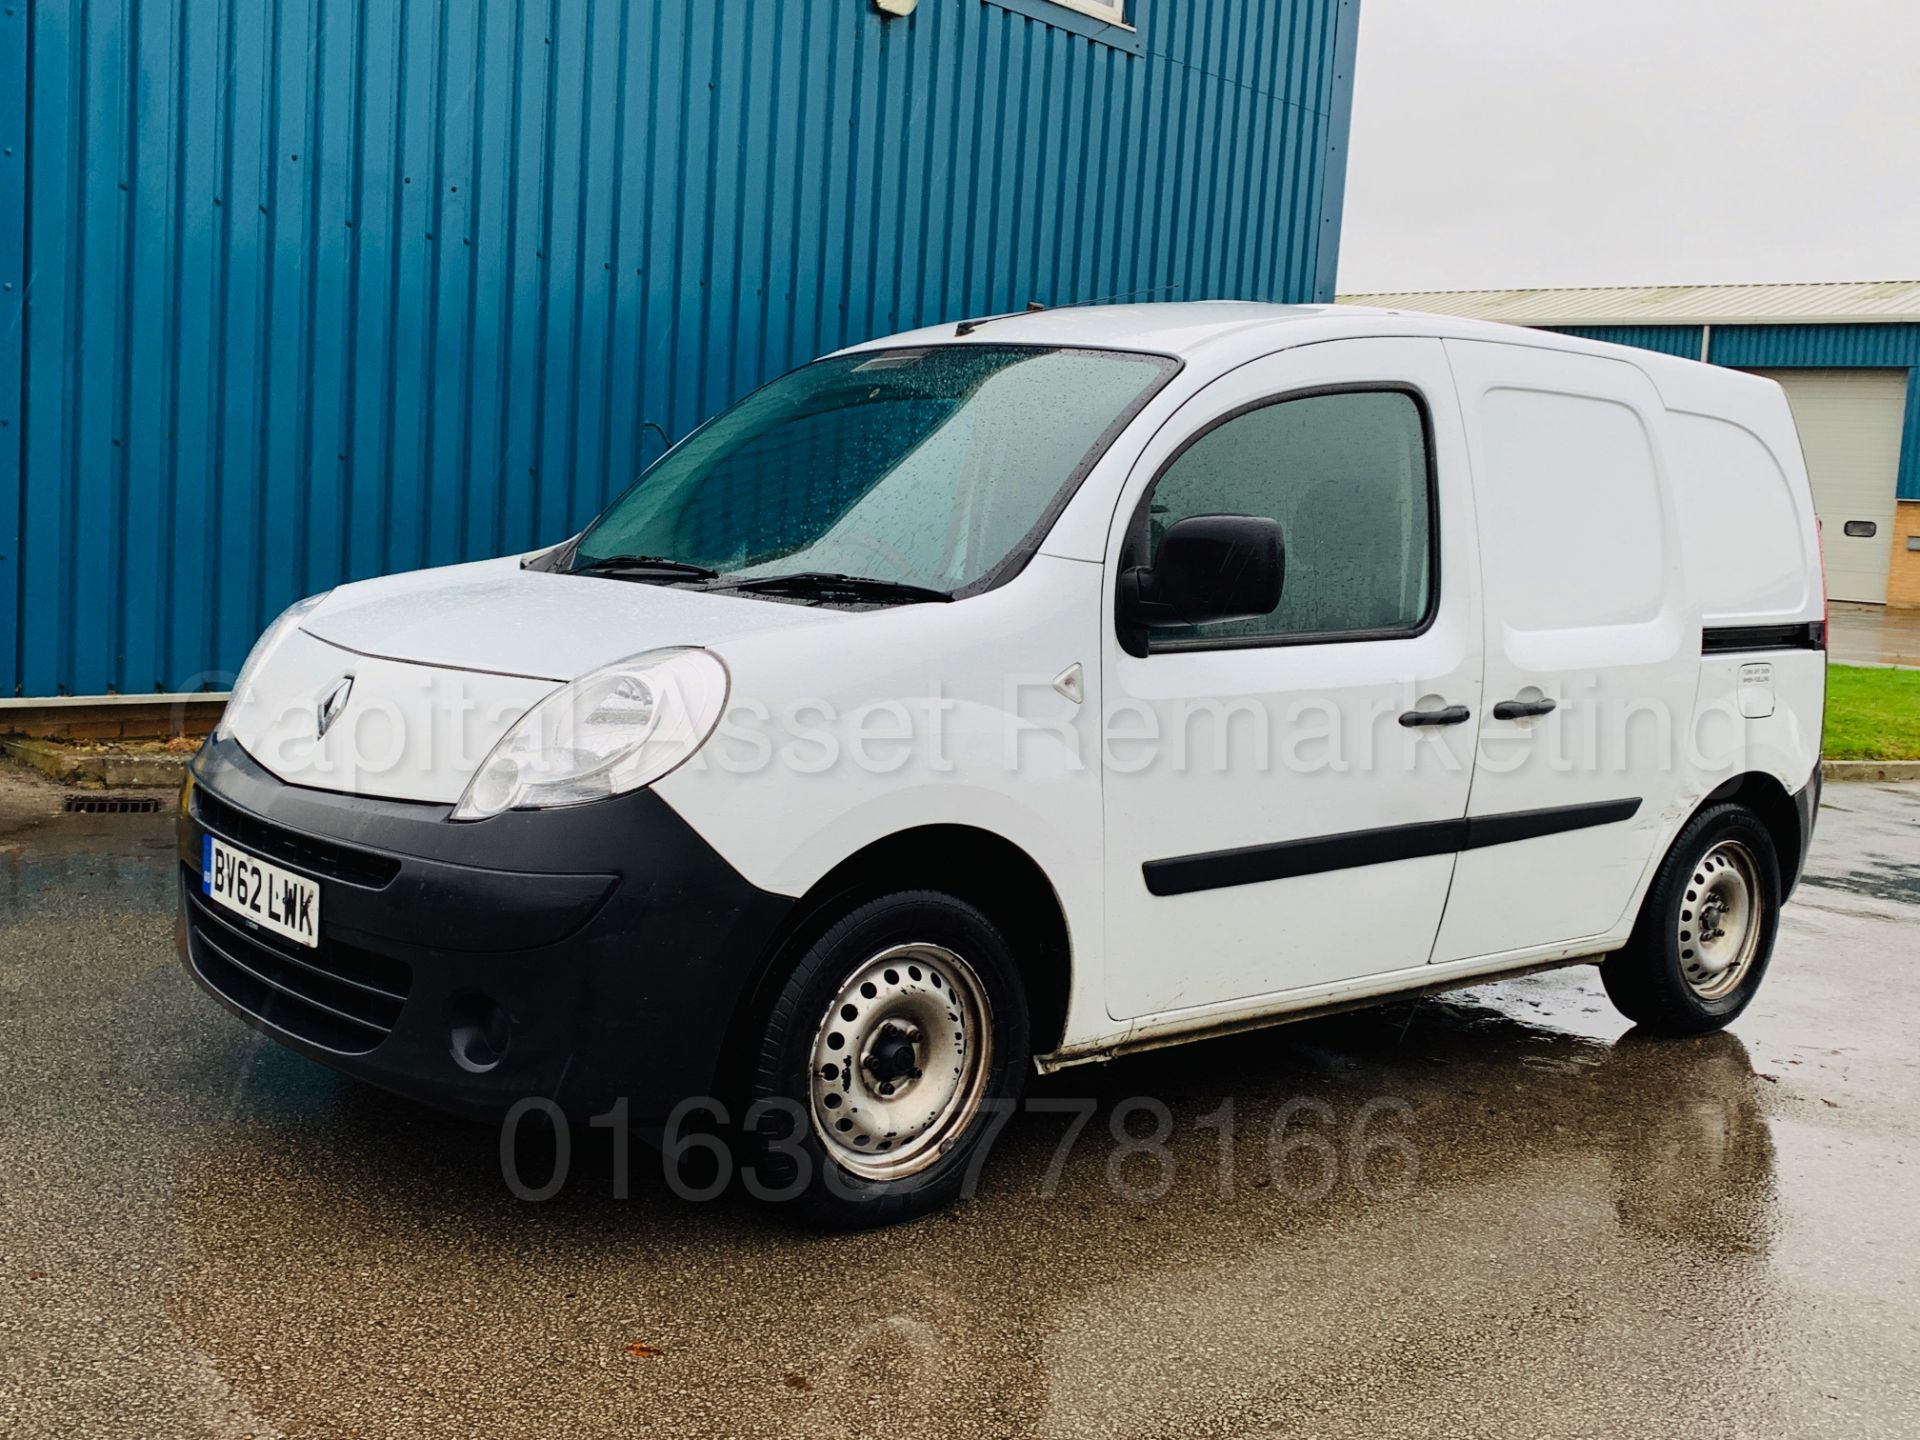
point(1009, 695)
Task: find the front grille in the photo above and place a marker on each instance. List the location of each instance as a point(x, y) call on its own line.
point(302, 852)
point(337, 996)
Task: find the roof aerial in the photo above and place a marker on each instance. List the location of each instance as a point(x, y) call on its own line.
point(967, 327)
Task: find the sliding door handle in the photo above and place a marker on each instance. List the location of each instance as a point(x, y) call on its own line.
point(1452, 715)
point(1522, 709)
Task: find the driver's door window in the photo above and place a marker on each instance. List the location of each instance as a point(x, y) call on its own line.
point(1346, 475)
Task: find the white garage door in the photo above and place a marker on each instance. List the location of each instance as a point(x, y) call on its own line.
point(1850, 423)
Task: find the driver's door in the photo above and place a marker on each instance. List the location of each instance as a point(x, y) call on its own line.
point(1270, 822)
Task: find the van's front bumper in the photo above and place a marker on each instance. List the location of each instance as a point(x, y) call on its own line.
point(583, 955)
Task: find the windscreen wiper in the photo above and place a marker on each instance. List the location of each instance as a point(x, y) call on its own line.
point(643, 567)
point(822, 585)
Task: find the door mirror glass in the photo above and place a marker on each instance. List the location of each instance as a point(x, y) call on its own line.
point(1208, 568)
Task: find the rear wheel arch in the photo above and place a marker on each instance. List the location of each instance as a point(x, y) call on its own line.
point(1769, 801)
point(1723, 864)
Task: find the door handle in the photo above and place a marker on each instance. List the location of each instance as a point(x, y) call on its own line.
point(1452, 715)
point(1522, 709)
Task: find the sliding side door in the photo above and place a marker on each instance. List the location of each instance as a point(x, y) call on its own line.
point(1592, 648)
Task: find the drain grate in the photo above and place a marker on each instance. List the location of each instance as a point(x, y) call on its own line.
point(112, 805)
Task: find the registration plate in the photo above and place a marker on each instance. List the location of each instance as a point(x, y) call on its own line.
point(274, 899)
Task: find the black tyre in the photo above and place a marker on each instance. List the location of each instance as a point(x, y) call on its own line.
point(897, 1037)
point(1705, 934)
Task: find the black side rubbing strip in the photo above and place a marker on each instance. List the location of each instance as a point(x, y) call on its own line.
point(1719, 638)
point(1487, 830)
point(1217, 869)
point(1285, 859)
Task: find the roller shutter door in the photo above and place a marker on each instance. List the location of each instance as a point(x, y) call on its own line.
point(1850, 423)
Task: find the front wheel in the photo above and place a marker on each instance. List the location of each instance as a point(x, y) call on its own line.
point(897, 1036)
point(1706, 930)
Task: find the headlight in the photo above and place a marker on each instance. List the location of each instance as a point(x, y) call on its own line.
point(608, 732)
point(288, 622)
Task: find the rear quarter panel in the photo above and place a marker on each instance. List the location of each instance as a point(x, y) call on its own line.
point(1750, 541)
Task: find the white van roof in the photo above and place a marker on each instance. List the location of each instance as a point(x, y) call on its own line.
point(1188, 328)
point(1228, 331)
point(1182, 328)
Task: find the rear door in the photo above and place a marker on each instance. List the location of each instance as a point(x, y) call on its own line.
point(1592, 648)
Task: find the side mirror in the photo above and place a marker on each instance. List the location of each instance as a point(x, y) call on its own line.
point(1209, 567)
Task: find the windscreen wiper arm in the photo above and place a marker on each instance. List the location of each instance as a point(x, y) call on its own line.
point(829, 586)
point(642, 567)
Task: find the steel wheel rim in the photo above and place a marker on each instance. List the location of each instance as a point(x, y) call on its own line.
point(1719, 926)
point(900, 1061)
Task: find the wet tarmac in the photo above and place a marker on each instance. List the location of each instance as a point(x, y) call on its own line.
point(1492, 1214)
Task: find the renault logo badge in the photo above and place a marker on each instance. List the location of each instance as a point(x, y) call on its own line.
point(331, 706)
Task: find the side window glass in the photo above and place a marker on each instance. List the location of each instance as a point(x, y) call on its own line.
point(1346, 476)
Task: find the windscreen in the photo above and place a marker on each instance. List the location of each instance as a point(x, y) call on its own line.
point(926, 467)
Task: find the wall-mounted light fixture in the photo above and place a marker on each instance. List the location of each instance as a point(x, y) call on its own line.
point(895, 7)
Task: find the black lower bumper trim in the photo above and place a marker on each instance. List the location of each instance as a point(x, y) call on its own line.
point(604, 949)
point(299, 998)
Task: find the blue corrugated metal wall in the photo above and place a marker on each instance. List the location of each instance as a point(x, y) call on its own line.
point(1818, 346)
point(1681, 340)
point(1792, 347)
point(305, 291)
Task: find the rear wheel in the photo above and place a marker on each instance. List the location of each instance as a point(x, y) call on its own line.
point(1706, 929)
point(879, 1058)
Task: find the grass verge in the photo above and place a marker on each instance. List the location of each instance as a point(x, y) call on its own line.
point(1872, 714)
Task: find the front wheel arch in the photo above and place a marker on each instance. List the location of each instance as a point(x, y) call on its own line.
point(974, 865)
point(874, 1085)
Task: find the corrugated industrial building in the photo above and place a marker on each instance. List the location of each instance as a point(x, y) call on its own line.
point(1847, 355)
point(304, 291)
